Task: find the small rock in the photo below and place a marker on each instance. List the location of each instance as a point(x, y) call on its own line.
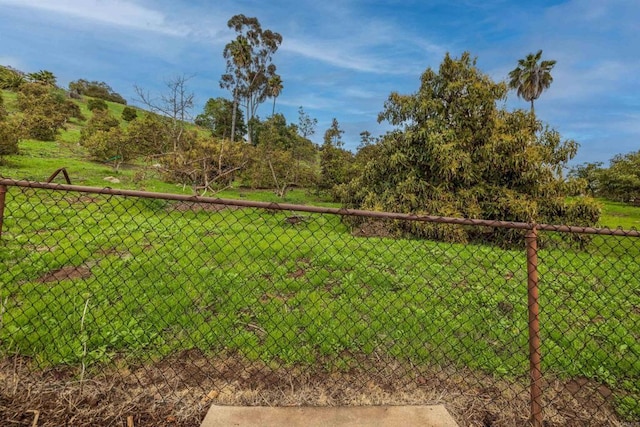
point(112, 179)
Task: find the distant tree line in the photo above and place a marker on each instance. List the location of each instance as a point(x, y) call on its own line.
point(619, 182)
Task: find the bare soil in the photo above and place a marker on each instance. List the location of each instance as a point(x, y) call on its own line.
point(66, 273)
point(178, 391)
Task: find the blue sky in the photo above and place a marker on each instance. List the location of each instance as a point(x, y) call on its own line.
point(342, 58)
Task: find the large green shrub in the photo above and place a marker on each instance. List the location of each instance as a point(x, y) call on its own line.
point(101, 120)
point(44, 110)
point(129, 114)
point(9, 132)
point(97, 104)
point(455, 153)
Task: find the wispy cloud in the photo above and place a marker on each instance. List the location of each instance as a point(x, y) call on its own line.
point(120, 13)
point(339, 57)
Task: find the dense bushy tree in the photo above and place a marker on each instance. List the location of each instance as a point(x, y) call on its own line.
point(129, 114)
point(9, 132)
point(621, 181)
point(101, 120)
point(44, 110)
point(281, 158)
point(148, 134)
point(335, 161)
point(217, 116)
point(587, 178)
point(455, 153)
point(249, 66)
point(97, 104)
point(110, 146)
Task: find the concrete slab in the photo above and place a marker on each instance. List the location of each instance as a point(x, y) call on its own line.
point(351, 416)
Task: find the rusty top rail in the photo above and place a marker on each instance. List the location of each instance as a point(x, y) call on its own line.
point(320, 209)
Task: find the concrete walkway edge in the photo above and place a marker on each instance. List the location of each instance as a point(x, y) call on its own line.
point(346, 416)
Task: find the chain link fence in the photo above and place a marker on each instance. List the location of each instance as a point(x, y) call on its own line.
point(127, 308)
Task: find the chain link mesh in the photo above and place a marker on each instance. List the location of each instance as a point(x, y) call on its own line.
point(120, 307)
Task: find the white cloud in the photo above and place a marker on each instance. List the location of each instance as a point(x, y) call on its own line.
point(329, 53)
point(121, 13)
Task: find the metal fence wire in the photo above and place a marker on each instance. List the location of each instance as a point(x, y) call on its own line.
point(143, 308)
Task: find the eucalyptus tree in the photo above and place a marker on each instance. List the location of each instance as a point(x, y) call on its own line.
point(531, 77)
point(249, 64)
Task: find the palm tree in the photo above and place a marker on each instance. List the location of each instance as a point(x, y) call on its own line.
point(239, 53)
point(44, 77)
point(275, 88)
point(531, 77)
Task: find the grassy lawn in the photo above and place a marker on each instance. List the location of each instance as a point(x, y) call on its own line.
point(157, 279)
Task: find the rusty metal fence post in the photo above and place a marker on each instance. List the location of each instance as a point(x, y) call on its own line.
point(534, 327)
point(3, 192)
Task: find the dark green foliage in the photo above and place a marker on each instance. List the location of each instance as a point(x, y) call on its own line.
point(43, 77)
point(281, 159)
point(217, 116)
point(129, 113)
point(621, 181)
point(96, 89)
point(587, 178)
point(73, 109)
point(334, 160)
point(455, 153)
point(97, 104)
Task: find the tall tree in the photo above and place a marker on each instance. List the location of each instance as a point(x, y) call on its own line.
point(306, 124)
point(249, 65)
point(275, 88)
point(531, 77)
point(334, 160)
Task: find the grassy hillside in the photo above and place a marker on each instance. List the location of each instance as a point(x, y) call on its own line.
point(39, 159)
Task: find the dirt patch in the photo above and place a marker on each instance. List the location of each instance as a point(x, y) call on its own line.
point(65, 273)
point(178, 390)
point(373, 229)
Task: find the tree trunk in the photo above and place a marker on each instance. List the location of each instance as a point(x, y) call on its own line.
point(233, 115)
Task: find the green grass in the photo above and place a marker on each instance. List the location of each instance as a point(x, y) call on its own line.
point(617, 214)
point(245, 281)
